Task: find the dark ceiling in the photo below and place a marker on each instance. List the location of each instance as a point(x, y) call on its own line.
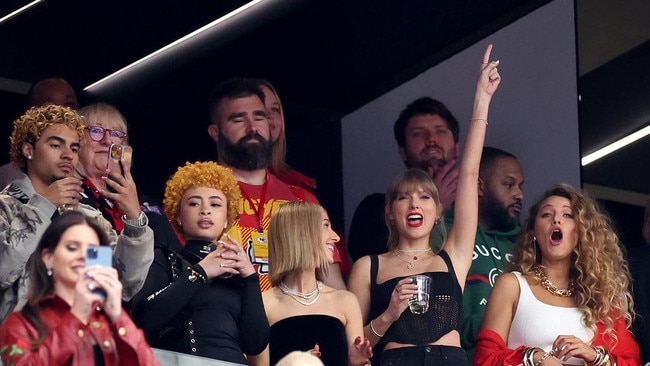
point(326, 58)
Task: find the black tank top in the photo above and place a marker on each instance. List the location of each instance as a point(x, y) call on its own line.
point(420, 329)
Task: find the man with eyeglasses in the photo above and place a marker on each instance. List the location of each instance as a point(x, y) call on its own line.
point(45, 144)
point(46, 91)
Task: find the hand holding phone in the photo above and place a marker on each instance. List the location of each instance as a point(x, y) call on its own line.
point(99, 256)
point(117, 153)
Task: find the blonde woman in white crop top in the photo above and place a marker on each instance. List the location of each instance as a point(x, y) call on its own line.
point(568, 303)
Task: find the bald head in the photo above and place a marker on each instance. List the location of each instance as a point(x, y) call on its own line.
point(55, 91)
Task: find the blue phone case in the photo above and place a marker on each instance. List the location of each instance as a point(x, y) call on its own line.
point(99, 256)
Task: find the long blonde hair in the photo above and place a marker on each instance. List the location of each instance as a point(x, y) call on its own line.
point(279, 155)
point(600, 271)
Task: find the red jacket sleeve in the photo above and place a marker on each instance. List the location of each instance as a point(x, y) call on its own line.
point(131, 344)
point(491, 350)
point(626, 351)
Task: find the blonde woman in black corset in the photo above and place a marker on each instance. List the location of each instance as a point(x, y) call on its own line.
point(412, 211)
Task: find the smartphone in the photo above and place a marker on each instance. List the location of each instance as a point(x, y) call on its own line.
point(115, 154)
point(99, 256)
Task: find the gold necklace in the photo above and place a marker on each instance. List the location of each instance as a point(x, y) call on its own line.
point(409, 264)
point(549, 286)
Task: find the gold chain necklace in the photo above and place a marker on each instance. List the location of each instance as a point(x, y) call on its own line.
point(409, 264)
point(549, 286)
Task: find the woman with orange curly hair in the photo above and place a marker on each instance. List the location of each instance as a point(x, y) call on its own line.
point(567, 302)
point(204, 298)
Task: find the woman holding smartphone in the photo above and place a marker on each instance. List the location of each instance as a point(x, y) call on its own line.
point(114, 194)
point(66, 320)
point(204, 298)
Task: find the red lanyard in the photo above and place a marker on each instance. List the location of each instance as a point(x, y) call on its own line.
point(259, 209)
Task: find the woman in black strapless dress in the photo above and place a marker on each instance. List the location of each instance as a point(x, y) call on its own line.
point(304, 314)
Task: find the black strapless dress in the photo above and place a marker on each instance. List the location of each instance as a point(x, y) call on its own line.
point(302, 332)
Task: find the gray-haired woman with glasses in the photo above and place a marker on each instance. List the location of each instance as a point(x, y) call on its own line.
point(105, 125)
point(117, 197)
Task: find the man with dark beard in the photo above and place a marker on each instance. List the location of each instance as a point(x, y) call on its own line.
point(427, 138)
point(500, 195)
point(240, 128)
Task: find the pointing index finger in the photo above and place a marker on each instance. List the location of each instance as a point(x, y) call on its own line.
point(486, 56)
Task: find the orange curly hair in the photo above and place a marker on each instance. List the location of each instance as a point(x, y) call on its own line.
point(200, 174)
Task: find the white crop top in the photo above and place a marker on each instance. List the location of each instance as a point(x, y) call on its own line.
point(537, 324)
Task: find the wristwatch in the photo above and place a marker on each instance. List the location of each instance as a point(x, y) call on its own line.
point(142, 220)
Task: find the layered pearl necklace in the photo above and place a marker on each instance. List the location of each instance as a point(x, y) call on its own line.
point(549, 286)
point(409, 264)
point(306, 299)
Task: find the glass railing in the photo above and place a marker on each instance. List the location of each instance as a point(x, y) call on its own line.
point(169, 358)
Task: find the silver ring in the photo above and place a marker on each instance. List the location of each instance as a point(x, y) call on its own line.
point(239, 251)
point(91, 286)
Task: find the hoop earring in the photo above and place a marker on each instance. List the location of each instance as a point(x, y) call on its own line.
point(535, 249)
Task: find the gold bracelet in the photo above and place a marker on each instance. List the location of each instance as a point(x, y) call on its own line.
point(372, 329)
point(603, 357)
point(480, 120)
point(545, 356)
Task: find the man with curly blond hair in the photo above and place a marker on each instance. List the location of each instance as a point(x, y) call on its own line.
point(52, 90)
point(45, 144)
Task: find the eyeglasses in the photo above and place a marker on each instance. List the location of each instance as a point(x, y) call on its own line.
point(97, 133)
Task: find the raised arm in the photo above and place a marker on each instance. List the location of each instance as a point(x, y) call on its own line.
point(460, 242)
